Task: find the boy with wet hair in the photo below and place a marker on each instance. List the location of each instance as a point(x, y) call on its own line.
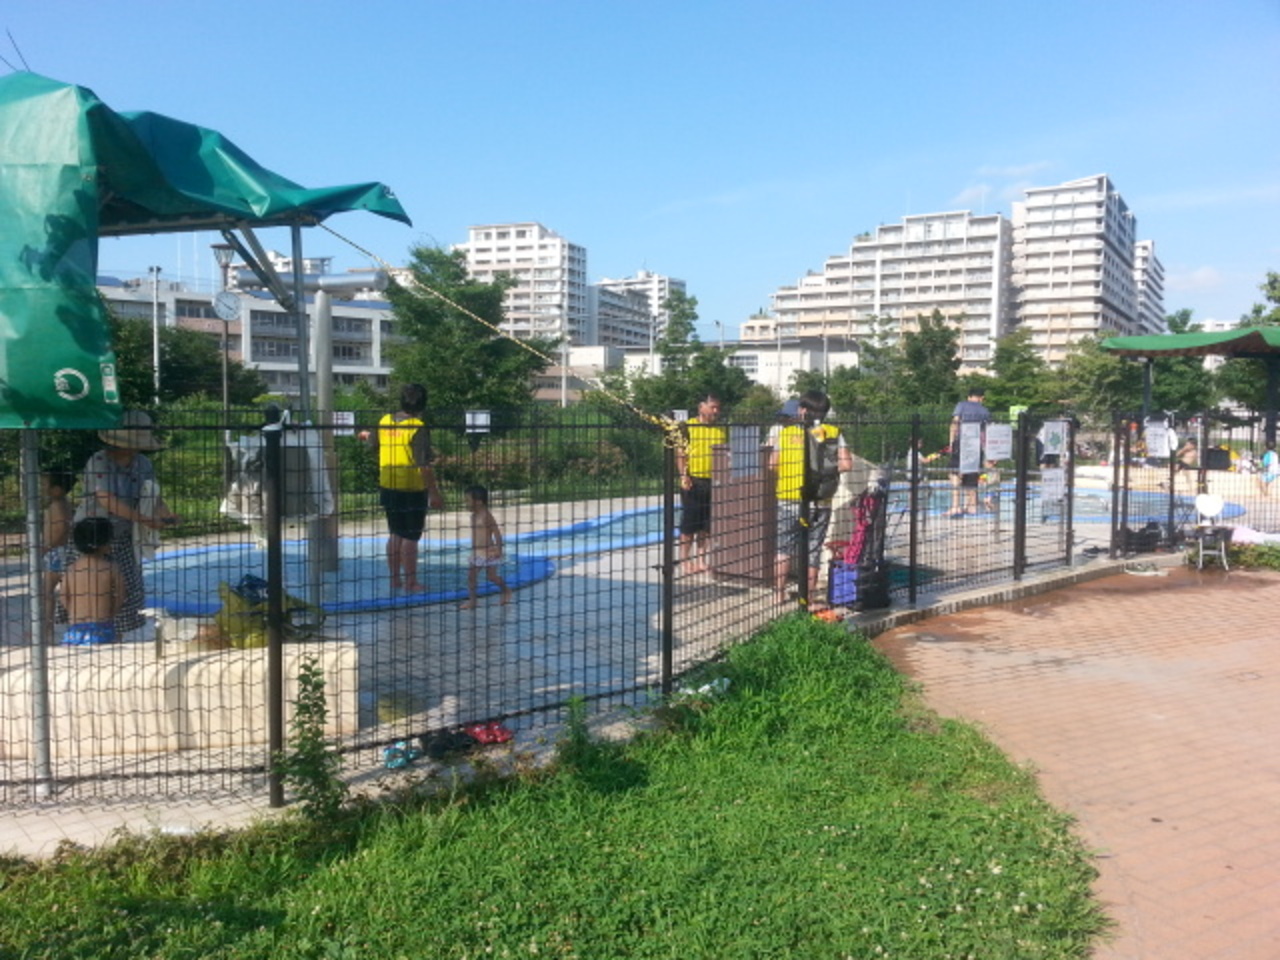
point(93, 587)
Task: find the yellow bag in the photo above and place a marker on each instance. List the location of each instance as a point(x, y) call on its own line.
point(243, 620)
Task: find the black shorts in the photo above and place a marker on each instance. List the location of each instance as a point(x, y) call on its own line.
point(695, 507)
point(406, 512)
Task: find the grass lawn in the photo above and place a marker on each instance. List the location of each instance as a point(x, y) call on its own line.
point(812, 810)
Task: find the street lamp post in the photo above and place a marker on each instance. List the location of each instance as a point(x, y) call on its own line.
point(224, 253)
point(155, 332)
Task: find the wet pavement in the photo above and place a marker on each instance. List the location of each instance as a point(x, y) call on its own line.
point(1149, 705)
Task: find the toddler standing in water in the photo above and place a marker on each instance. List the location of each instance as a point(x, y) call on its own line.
point(486, 546)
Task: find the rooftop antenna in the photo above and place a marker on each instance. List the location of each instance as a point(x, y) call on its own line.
point(17, 50)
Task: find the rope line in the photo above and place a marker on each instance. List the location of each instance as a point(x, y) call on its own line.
point(673, 436)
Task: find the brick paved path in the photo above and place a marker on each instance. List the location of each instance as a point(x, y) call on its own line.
point(1150, 705)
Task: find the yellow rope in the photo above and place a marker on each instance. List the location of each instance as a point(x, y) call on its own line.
point(673, 436)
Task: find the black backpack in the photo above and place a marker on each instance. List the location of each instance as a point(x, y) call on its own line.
point(822, 472)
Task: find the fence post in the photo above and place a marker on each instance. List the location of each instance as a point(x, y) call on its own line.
point(1068, 505)
point(1116, 426)
point(1021, 469)
point(668, 563)
point(273, 486)
point(41, 720)
point(806, 510)
point(913, 527)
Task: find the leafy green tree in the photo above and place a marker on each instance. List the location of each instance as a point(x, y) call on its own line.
point(1182, 384)
point(1243, 380)
point(462, 363)
point(1021, 375)
point(873, 387)
point(689, 368)
point(930, 362)
point(1094, 383)
point(190, 364)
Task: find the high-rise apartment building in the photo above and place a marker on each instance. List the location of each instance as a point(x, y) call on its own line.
point(954, 263)
point(550, 296)
point(1148, 276)
point(619, 317)
point(1064, 266)
point(656, 289)
point(1073, 264)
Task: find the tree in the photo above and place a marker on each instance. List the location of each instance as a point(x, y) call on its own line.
point(873, 386)
point(463, 363)
point(190, 364)
point(1182, 384)
point(689, 369)
point(1094, 383)
point(930, 362)
point(1245, 381)
point(1021, 376)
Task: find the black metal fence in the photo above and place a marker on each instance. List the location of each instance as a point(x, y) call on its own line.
point(279, 558)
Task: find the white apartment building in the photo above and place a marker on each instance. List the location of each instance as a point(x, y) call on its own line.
point(1065, 266)
point(1073, 265)
point(550, 297)
point(1148, 276)
point(656, 288)
point(362, 329)
point(618, 317)
point(955, 263)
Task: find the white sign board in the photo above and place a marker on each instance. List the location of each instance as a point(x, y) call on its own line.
point(970, 442)
point(344, 422)
point(999, 441)
point(1053, 484)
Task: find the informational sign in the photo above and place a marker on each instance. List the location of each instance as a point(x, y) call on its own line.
point(970, 443)
point(1053, 438)
point(344, 422)
point(1053, 484)
point(1156, 434)
point(999, 441)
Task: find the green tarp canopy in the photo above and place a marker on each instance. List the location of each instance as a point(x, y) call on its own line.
point(73, 170)
point(1243, 342)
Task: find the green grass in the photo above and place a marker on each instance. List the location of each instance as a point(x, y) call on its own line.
point(812, 810)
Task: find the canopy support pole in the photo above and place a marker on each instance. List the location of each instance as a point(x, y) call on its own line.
point(1273, 396)
point(41, 628)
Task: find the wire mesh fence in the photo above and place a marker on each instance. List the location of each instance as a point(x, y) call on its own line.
point(279, 554)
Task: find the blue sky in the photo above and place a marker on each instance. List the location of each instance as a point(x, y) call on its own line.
point(733, 145)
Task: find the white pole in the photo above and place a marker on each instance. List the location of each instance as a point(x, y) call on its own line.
point(155, 331)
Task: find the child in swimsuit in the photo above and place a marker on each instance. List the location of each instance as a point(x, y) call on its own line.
point(486, 546)
point(93, 586)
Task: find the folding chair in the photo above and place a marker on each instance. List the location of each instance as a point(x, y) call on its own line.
point(1208, 533)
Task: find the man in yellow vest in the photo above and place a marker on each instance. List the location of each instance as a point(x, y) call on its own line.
point(406, 483)
point(694, 466)
point(787, 462)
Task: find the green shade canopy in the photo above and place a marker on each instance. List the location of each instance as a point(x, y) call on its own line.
point(1242, 342)
point(72, 170)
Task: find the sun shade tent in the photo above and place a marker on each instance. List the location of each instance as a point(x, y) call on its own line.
point(72, 170)
point(1257, 343)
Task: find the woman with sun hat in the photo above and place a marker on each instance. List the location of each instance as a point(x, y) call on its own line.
point(120, 485)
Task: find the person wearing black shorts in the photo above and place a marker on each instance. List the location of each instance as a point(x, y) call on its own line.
point(406, 484)
point(693, 461)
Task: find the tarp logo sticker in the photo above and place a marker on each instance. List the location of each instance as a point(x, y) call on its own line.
point(110, 389)
point(71, 384)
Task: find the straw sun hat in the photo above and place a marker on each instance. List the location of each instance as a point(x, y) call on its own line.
point(134, 433)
